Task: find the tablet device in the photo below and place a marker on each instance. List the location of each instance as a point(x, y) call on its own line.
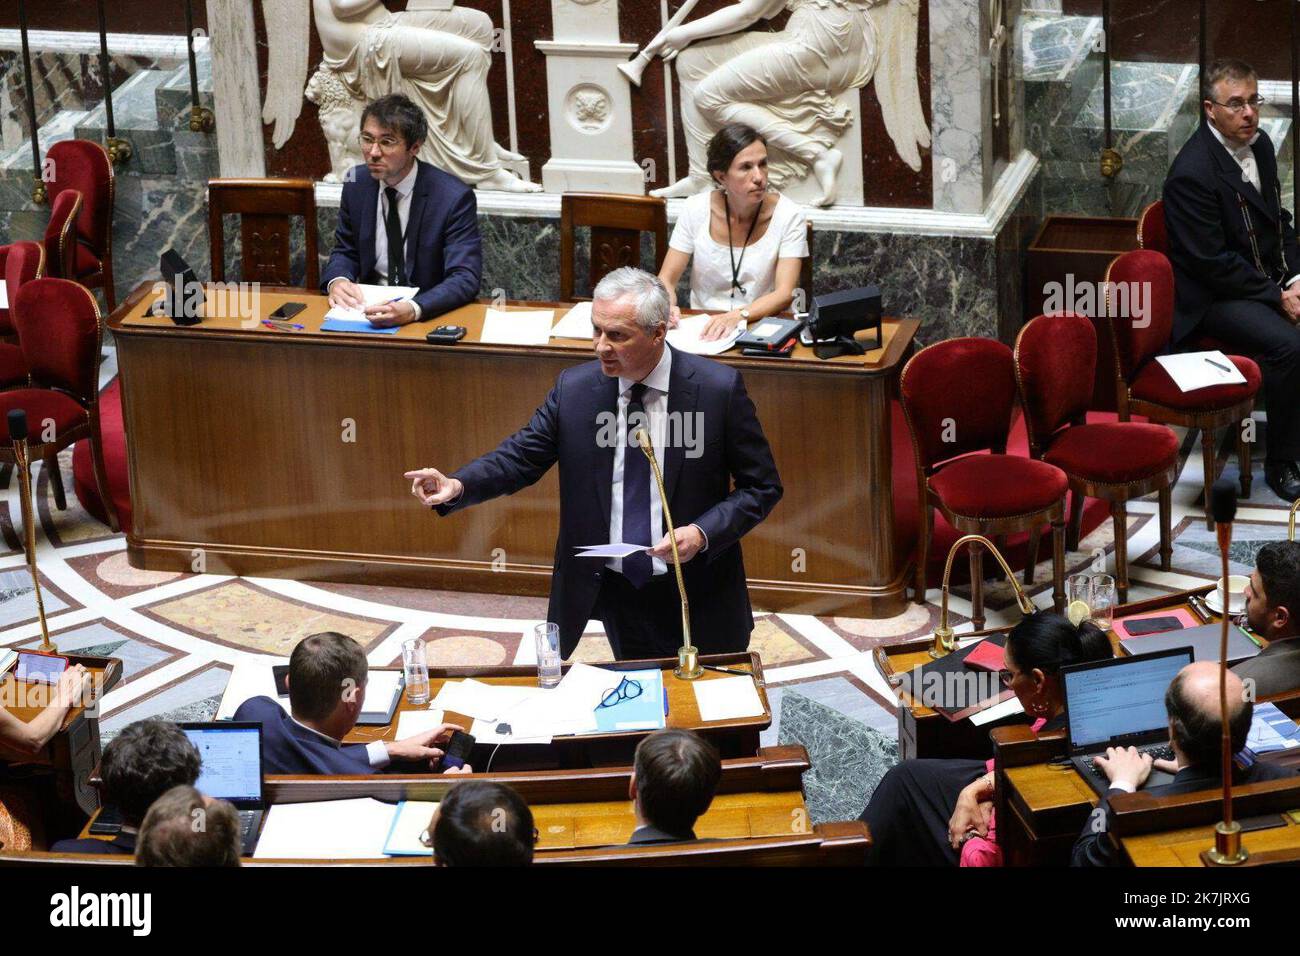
point(38, 668)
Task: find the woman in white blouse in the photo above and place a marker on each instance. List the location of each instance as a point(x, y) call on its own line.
point(744, 244)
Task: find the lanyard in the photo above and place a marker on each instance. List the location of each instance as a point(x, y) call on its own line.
point(731, 251)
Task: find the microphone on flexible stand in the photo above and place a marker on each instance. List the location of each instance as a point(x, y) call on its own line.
point(18, 435)
point(688, 656)
point(1227, 849)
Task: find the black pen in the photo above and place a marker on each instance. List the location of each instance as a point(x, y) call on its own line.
point(726, 670)
point(1218, 365)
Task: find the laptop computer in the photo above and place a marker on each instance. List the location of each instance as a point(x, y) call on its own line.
point(1120, 702)
point(232, 770)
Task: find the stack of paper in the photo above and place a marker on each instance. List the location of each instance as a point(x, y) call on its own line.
point(728, 698)
point(687, 336)
point(1193, 370)
point(373, 295)
point(517, 328)
point(331, 830)
point(576, 324)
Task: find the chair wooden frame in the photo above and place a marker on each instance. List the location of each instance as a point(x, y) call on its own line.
point(616, 223)
point(103, 279)
point(1207, 421)
point(1117, 493)
point(59, 268)
point(1144, 239)
point(1031, 522)
point(264, 207)
point(90, 429)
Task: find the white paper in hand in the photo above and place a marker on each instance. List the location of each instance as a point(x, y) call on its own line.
point(687, 336)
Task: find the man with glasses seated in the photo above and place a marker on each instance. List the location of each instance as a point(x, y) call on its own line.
point(674, 776)
point(403, 222)
point(1235, 256)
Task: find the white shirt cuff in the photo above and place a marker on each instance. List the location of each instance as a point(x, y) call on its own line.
point(378, 754)
point(705, 547)
point(1123, 785)
point(329, 285)
point(1287, 283)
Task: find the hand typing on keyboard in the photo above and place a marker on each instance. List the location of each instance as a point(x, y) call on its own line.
point(1125, 767)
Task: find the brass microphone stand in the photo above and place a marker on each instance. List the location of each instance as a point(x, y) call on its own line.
point(18, 433)
point(1290, 523)
point(688, 656)
point(944, 643)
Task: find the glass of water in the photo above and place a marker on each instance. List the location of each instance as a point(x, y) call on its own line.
point(1103, 601)
point(546, 637)
point(1078, 598)
point(416, 671)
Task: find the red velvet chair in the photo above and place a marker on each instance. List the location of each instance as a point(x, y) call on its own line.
point(61, 232)
point(958, 397)
point(1143, 387)
point(20, 263)
point(84, 165)
point(60, 333)
point(1056, 358)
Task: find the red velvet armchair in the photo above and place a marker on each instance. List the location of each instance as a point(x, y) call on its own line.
point(20, 263)
point(60, 332)
point(84, 165)
point(1143, 387)
point(1055, 359)
point(958, 397)
point(61, 232)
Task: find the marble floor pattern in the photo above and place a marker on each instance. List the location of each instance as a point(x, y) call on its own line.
point(179, 635)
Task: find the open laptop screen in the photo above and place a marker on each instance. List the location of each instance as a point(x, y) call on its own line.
point(232, 760)
point(1122, 697)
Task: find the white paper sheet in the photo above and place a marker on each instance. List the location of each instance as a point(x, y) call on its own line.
point(1008, 708)
point(246, 682)
point(479, 700)
point(484, 732)
point(728, 698)
point(587, 685)
point(373, 295)
point(1193, 370)
point(332, 830)
point(517, 328)
point(412, 722)
point(410, 822)
point(4, 295)
point(687, 336)
point(576, 324)
point(616, 550)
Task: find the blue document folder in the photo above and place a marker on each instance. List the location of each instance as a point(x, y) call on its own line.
point(645, 712)
point(352, 325)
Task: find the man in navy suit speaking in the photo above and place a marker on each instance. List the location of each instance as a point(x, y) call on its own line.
point(403, 222)
point(718, 473)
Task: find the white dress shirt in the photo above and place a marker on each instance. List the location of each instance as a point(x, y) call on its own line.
point(655, 403)
point(376, 752)
point(1244, 157)
point(404, 190)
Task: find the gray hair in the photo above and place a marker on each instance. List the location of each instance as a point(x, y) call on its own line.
point(652, 306)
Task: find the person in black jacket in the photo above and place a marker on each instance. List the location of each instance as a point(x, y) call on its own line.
point(675, 774)
point(1234, 253)
point(1196, 735)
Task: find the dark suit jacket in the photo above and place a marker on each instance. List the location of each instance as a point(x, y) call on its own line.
point(444, 254)
point(649, 834)
point(1095, 847)
point(1275, 669)
point(1207, 204)
point(123, 843)
point(289, 748)
point(733, 450)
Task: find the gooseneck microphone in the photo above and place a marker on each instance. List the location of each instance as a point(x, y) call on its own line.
point(1227, 850)
point(17, 421)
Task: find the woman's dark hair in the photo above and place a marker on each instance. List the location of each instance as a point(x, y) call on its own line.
point(1048, 642)
point(727, 142)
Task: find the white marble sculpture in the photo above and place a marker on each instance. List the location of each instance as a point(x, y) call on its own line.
point(438, 57)
point(340, 121)
point(786, 84)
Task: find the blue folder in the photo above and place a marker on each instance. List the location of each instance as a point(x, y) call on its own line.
point(351, 325)
point(647, 712)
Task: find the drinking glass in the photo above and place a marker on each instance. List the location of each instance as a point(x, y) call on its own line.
point(1078, 598)
point(1103, 600)
point(546, 637)
point(416, 671)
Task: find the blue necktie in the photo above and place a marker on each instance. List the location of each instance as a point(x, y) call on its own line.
point(636, 491)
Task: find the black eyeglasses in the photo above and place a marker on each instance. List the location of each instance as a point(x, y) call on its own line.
point(626, 690)
point(1237, 105)
point(1006, 677)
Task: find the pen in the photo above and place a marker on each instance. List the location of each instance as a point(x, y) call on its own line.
point(726, 670)
point(1219, 365)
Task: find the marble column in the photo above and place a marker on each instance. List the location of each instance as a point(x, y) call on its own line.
point(961, 104)
point(589, 102)
point(237, 100)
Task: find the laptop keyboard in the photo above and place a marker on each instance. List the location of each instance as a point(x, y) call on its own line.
point(1160, 752)
point(246, 822)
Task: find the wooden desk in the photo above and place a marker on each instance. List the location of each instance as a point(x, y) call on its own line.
point(733, 738)
point(282, 454)
point(923, 732)
point(64, 767)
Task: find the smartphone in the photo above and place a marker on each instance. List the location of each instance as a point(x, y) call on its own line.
point(456, 753)
point(1153, 625)
point(38, 668)
point(288, 310)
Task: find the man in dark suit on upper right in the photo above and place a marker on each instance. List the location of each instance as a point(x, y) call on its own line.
point(1235, 256)
point(1196, 738)
point(1273, 612)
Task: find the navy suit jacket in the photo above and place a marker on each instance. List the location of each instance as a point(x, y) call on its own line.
point(1207, 208)
point(444, 254)
point(290, 748)
point(1095, 846)
point(733, 450)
